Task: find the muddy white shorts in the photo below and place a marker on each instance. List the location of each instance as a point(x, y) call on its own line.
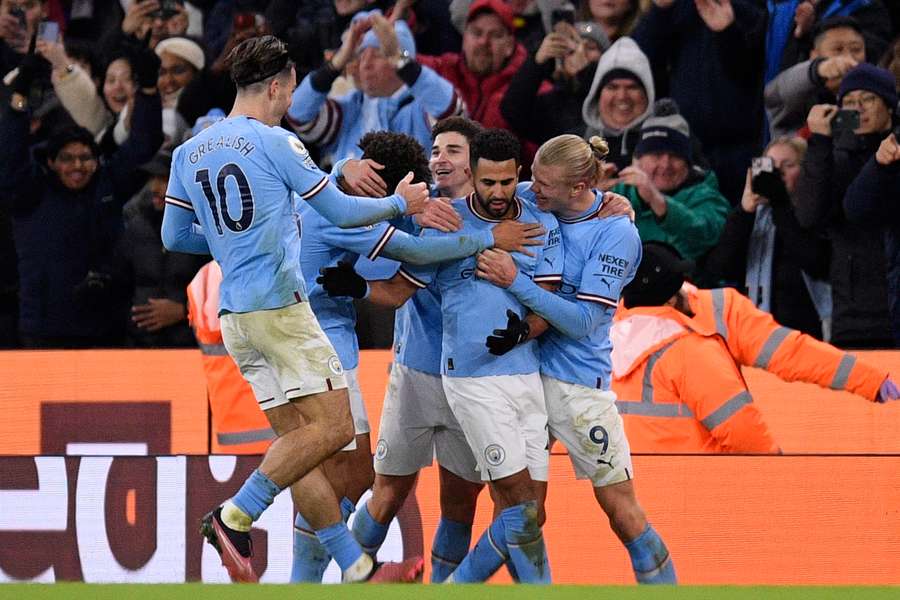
point(283, 353)
point(587, 422)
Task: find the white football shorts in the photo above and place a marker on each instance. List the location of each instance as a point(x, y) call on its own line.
point(504, 418)
point(417, 425)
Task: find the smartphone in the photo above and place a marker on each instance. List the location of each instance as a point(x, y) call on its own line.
point(19, 14)
point(761, 164)
point(565, 13)
point(48, 31)
point(845, 120)
point(167, 9)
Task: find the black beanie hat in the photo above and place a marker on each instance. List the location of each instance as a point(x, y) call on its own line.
point(659, 276)
point(620, 73)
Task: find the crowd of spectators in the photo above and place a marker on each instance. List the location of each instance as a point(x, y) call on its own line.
point(753, 136)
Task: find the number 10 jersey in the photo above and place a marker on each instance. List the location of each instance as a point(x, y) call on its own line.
point(239, 177)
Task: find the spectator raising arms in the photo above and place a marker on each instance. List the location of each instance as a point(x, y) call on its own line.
point(387, 62)
point(709, 55)
point(66, 216)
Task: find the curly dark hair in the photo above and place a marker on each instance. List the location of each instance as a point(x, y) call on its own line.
point(496, 145)
point(461, 125)
point(399, 153)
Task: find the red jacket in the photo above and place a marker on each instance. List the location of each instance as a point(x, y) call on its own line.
point(481, 95)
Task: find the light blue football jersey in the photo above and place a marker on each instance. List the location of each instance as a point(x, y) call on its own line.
point(602, 256)
point(323, 245)
point(237, 177)
point(471, 309)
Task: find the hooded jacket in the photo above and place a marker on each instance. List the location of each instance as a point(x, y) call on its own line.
point(624, 54)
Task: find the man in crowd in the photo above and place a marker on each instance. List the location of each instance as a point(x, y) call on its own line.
point(490, 57)
point(675, 201)
point(267, 326)
point(836, 153)
point(871, 200)
point(838, 46)
point(395, 92)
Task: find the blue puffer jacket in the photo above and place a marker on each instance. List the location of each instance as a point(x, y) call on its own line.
point(59, 234)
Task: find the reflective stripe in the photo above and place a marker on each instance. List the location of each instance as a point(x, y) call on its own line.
point(727, 410)
point(772, 344)
point(647, 389)
point(213, 349)
point(652, 409)
point(718, 298)
point(843, 372)
point(647, 407)
point(243, 437)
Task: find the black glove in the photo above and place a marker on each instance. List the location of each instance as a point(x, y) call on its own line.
point(146, 65)
point(770, 185)
point(342, 280)
point(505, 340)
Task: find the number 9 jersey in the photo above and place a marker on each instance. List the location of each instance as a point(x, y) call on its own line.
point(237, 177)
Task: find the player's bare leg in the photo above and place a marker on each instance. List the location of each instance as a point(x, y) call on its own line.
point(649, 556)
point(350, 474)
point(307, 434)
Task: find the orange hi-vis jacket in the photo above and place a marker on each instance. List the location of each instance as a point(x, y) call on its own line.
point(238, 424)
point(679, 390)
point(756, 339)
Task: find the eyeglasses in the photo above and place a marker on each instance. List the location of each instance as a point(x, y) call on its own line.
point(861, 102)
point(66, 158)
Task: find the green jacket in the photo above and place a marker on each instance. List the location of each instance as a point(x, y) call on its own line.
point(694, 220)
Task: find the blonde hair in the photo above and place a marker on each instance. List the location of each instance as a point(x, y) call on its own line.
point(795, 143)
point(583, 160)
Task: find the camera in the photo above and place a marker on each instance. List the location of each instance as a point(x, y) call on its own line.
point(845, 121)
point(765, 179)
point(565, 13)
point(167, 9)
point(761, 164)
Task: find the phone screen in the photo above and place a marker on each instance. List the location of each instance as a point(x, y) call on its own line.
point(48, 31)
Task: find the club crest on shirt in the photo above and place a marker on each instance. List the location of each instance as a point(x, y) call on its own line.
point(494, 455)
point(334, 363)
point(381, 450)
point(298, 147)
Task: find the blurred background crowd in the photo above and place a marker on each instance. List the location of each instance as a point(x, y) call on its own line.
point(754, 136)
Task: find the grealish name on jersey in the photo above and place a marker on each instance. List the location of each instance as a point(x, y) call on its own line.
point(239, 143)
